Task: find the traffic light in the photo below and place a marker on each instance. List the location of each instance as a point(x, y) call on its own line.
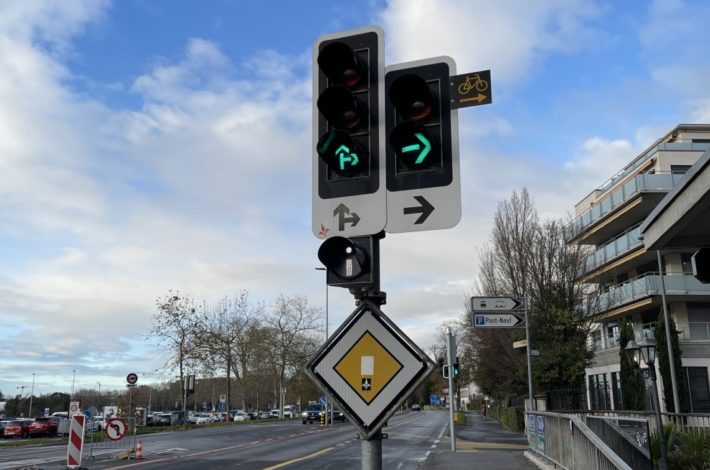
point(348, 261)
point(701, 265)
point(422, 160)
point(445, 371)
point(348, 173)
point(456, 368)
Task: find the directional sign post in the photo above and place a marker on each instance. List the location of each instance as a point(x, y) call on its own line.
point(369, 367)
point(497, 320)
point(504, 312)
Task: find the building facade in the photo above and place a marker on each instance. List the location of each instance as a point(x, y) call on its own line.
point(623, 278)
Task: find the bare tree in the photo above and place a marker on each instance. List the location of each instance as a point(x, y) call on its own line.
point(527, 258)
point(290, 322)
point(222, 333)
point(173, 326)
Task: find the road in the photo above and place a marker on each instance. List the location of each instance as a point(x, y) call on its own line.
point(282, 444)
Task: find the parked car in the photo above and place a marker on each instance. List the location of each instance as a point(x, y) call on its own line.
point(45, 426)
point(162, 419)
point(264, 415)
point(18, 428)
point(202, 418)
point(4, 423)
point(290, 411)
point(312, 413)
point(241, 416)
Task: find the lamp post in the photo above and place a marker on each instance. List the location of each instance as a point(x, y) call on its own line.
point(647, 351)
point(32, 393)
point(327, 420)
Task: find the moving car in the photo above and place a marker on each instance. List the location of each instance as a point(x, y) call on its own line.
point(18, 428)
point(337, 415)
point(312, 413)
point(416, 407)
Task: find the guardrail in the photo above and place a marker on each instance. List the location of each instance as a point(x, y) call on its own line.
point(566, 441)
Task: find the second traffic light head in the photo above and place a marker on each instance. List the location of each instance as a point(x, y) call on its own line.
point(348, 261)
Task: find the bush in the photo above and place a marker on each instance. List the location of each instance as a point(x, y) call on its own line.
point(512, 417)
point(692, 452)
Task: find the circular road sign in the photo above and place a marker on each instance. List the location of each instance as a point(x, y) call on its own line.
point(74, 408)
point(115, 429)
point(132, 378)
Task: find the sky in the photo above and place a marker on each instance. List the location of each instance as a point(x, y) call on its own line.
point(155, 145)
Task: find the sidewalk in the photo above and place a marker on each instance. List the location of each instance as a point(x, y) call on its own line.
point(481, 443)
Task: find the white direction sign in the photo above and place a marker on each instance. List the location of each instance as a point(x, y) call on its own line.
point(496, 320)
point(496, 304)
point(369, 367)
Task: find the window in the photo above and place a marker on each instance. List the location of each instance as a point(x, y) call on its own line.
point(616, 391)
point(680, 169)
point(698, 389)
point(599, 392)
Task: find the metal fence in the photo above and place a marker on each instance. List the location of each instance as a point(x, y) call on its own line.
point(688, 422)
point(566, 441)
point(97, 443)
point(627, 437)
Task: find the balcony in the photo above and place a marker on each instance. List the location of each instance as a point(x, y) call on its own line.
point(645, 285)
point(609, 341)
point(639, 184)
point(620, 245)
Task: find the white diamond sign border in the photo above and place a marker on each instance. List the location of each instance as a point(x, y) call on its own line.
point(416, 368)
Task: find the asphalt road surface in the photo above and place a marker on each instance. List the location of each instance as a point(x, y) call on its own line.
point(280, 444)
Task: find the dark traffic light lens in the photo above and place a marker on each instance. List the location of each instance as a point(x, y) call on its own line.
point(344, 258)
point(341, 65)
point(340, 108)
point(412, 97)
point(341, 153)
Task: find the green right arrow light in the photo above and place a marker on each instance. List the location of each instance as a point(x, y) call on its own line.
point(424, 146)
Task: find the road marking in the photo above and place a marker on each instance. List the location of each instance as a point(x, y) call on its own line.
point(300, 459)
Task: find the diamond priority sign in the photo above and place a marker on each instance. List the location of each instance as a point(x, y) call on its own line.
point(369, 367)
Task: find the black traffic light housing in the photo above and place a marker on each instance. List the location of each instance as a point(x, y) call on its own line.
point(418, 127)
point(701, 265)
point(349, 261)
point(456, 368)
point(346, 123)
point(445, 371)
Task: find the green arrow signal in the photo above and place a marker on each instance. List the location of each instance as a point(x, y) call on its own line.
point(344, 156)
point(415, 147)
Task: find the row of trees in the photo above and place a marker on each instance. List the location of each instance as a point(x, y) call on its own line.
point(259, 351)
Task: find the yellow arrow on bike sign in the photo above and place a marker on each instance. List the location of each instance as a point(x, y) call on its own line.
point(471, 89)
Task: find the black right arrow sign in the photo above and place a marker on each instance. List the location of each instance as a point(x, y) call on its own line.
point(424, 208)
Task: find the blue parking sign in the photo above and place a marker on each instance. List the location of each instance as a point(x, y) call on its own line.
point(480, 320)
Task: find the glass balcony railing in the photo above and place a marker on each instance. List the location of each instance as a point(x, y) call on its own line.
point(613, 249)
point(641, 183)
point(642, 286)
point(698, 331)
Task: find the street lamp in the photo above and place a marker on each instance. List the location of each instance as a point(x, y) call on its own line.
point(646, 350)
point(326, 337)
point(32, 393)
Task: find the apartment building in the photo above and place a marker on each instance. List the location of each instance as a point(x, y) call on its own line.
point(623, 277)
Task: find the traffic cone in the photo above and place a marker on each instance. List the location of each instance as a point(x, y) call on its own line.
point(139, 450)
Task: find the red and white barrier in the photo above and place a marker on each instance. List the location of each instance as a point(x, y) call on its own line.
point(76, 441)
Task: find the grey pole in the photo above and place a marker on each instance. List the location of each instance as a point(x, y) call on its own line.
point(32, 393)
point(371, 452)
point(450, 352)
point(666, 319)
point(328, 415)
point(533, 405)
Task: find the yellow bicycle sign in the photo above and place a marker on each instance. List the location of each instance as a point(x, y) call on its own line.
point(473, 82)
point(471, 89)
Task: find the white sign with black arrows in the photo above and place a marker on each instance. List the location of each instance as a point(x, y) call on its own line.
point(496, 304)
point(497, 320)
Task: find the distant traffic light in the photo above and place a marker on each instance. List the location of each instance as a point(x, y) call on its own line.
point(445, 371)
point(701, 265)
point(422, 164)
point(456, 368)
point(348, 261)
point(347, 169)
